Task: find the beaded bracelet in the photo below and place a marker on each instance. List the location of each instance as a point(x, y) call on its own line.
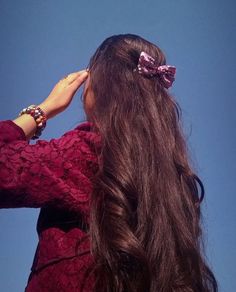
point(39, 116)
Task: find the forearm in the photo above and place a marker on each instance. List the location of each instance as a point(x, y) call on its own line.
point(27, 124)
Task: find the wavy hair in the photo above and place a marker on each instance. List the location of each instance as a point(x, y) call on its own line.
point(145, 219)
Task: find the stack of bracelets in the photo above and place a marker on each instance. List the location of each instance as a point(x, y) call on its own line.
point(39, 117)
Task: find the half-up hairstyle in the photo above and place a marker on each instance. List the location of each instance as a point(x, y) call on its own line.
point(145, 208)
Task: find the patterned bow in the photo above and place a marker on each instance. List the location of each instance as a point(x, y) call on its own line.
point(148, 67)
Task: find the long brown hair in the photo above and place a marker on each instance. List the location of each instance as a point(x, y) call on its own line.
point(145, 208)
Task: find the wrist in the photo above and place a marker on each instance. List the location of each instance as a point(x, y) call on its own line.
point(39, 117)
point(45, 107)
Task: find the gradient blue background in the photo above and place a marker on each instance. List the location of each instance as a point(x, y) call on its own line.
point(41, 41)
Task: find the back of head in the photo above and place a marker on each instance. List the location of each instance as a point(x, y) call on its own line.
point(145, 212)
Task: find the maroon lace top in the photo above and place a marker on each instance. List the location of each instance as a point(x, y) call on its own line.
point(55, 176)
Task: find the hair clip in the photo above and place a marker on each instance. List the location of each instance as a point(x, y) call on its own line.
point(148, 67)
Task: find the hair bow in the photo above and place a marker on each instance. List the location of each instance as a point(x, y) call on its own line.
point(148, 67)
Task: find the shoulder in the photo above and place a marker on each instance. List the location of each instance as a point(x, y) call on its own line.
point(83, 137)
point(84, 126)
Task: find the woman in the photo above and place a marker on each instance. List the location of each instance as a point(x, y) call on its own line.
point(120, 203)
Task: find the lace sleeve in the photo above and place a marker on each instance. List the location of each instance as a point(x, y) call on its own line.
point(56, 172)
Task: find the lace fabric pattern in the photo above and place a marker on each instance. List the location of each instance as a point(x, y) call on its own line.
point(55, 176)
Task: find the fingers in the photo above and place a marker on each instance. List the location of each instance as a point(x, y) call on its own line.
point(70, 78)
point(73, 81)
point(79, 79)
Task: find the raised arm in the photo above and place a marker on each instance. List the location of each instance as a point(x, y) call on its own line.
point(55, 172)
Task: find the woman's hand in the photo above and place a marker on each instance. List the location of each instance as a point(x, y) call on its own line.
point(62, 93)
point(58, 100)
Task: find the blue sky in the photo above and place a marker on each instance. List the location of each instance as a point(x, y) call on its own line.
point(42, 41)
